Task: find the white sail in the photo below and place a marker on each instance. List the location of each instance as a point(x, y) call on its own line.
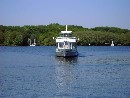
point(32, 44)
point(112, 44)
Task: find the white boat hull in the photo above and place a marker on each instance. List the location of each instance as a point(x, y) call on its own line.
point(66, 53)
point(32, 45)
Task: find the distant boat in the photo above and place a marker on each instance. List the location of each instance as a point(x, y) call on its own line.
point(112, 44)
point(32, 44)
point(66, 45)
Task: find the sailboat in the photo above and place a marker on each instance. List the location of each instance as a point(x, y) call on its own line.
point(66, 45)
point(32, 44)
point(112, 44)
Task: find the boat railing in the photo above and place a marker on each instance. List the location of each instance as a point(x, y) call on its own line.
point(66, 37)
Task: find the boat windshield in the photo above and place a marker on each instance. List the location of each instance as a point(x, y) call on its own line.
point(61, 44)
point(74, 45)
point(65, 35)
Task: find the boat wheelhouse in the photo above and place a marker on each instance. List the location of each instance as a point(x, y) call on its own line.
point(66, 44)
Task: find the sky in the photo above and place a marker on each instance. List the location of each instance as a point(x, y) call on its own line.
point(86, 13)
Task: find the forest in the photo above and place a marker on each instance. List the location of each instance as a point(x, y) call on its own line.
point(98, 36)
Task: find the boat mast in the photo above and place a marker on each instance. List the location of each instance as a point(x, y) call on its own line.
point(66, 27)
point(34, 41)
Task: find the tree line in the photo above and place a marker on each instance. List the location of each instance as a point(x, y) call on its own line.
point(21, 35)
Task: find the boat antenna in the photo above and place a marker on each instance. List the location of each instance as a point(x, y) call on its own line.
point(66, 27)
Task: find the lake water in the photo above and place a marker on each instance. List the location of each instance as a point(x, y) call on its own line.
point(35, 72)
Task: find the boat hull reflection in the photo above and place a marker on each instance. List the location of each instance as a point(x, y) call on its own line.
point(69, 60)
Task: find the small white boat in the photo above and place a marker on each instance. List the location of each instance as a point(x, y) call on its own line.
point(32, 44)
point(112, 44)
point(66, 45)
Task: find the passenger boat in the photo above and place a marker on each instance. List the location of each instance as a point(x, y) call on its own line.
point(66, 45)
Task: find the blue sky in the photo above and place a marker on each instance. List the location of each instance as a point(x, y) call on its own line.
point(86, 13)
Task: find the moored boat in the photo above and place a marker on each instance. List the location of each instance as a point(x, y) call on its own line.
point(32, 44)
point(112, 44)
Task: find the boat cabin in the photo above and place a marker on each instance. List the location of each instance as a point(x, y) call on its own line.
point(66, 45)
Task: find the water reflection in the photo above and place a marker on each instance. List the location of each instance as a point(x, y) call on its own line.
point(67, 61)
point(64, 77)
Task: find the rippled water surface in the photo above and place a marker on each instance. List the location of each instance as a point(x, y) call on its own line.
point(35, 72)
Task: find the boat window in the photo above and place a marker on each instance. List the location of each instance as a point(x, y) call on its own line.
point(61, 35)
point(65, 35)
point(61, 45)
point(66, 43)
point(68, 35)
point(74, 45)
